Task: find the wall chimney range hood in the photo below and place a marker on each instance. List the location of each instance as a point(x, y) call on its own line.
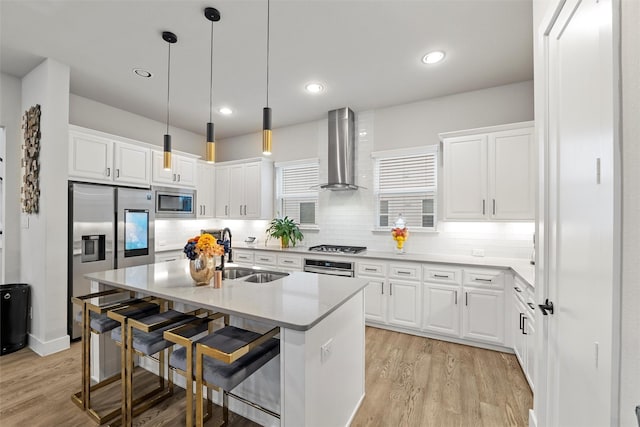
point(342, 151)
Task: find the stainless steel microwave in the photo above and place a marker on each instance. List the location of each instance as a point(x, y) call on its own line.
point(175, 202)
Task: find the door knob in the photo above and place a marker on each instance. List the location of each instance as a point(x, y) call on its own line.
point(546, 307)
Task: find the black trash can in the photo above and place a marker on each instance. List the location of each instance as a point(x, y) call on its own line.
point(14, 316)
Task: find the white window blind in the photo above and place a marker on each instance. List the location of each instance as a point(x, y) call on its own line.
point(297, 191)
point(407, 184)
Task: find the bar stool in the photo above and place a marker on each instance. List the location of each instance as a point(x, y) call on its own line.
point(182, 359)
point(95, 320)
point(144, 337)
point(226, 358)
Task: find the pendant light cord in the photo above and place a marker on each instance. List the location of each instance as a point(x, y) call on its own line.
point(168, 85)
point(268, 33)
point(211, 80)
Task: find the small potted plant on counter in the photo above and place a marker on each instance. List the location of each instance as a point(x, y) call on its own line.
point(286, 230)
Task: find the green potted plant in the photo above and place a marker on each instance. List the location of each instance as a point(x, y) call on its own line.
point(286, 230)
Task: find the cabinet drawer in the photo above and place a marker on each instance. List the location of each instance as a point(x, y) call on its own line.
point(289, 261)
point(405, 271)
point(265, 259)
point(245, 257)
point(437, 274)
point(483, 278)
point(372, 269)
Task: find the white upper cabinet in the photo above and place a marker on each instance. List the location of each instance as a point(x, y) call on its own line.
point(206, 190)
point(244, 190)
point(489, 173)
point(98, 157)
point(183, 171)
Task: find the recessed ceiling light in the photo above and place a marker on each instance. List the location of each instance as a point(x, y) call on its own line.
point(433, 57)
point(314, 87)
point(225, 110)
point(142, 73)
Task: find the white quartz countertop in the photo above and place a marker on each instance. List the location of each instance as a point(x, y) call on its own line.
point(521, 267)
point(297, 301)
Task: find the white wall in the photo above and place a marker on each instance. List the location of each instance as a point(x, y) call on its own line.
point(630, 322)
point(43, 244)
point(10, 118)
point(348, 217)
point(95, 115)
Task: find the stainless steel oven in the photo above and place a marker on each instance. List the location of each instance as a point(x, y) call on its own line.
point(333, 268)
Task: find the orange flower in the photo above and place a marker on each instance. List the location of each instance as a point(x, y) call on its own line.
point(207, 244)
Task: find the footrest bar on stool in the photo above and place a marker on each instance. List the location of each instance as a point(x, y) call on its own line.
point(252, 404)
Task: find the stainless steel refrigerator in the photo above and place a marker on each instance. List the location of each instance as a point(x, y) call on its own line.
point(109, 227)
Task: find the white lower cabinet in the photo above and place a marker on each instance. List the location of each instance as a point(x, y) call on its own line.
point(483, 315)
point(441, 313)
point(404, 303)
point(522, 325)
point(375, 301)
point(241, 256)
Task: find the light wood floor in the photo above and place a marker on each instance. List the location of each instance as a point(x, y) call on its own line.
point(410, 381)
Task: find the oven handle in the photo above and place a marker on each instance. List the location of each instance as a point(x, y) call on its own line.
point(346, 273)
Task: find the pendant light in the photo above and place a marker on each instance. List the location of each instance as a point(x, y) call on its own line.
point(266, 112)
point(170, 38)
point(212, 15)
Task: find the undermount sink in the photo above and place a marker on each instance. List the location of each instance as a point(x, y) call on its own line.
point(252, 275)
point(264, 277)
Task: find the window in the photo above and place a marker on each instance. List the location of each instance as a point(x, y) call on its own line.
point(297, 191)
point(405, 183)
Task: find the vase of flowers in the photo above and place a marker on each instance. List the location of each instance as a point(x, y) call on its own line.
point(400, 233)
point(201, 251)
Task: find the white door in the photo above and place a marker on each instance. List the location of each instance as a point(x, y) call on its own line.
point(205, 195)
point(483, 315)
point(236, 192)
point(512, 174)
point(465, 177)
point(222, 192)
point(581, 383)
point(132, 164)
point(186, 171)
point(441, 309)
point(252, 188)
point(404, 303)
point(90, 157)
point(375, 300)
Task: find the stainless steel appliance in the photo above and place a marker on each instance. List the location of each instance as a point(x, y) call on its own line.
point(333, 268)
point(175, 202)
point(109, 228)
point(336, 249)
point(341, 150)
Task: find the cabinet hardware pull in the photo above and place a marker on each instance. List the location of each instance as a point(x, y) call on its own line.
point(477, 279)
point(483, 212)
point(287, 261)
point(517, 289)
point(456, 297)
point(524, 332)
point(226, 209)
point(174, 176)
point(403, 272)
point(390, 288)
point(466, 298)
point(204, 209)
point(494, 206)
point(118, 173)
point(245, 210)
point(178, 177)
point(531, 306)
point(521, 315)
point(441, 276)
point(108, 171)
point(240, 209)
point(370, 269)
point(382, 288)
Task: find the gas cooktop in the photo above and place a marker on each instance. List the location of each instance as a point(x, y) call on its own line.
point(336, 249)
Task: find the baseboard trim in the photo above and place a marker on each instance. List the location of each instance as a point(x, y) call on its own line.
point(355, 411)
point(45, 348)
point(424, 334)
point(533, 420)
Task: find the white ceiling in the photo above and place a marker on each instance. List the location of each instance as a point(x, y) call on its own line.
point(367, 53)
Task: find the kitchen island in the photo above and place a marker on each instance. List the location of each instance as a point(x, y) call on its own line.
point(321, 375)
